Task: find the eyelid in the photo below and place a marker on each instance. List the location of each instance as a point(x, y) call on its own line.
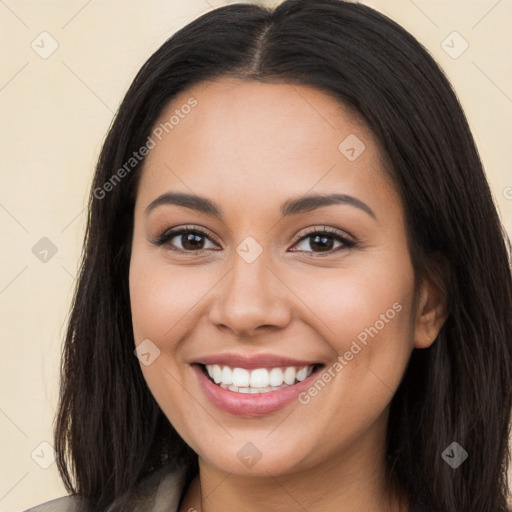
point(309, 231)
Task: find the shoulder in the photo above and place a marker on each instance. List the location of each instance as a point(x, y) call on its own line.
point(64, 504)
point(160, 491)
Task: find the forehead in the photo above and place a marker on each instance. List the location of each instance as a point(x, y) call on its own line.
point(260, 141)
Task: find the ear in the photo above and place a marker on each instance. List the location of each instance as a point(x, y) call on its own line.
point(432, 303)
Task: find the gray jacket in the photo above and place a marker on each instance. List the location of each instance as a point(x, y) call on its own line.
point(161, 491)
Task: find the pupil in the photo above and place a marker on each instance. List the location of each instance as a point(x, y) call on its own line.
point(321, 239)
point(193, 239)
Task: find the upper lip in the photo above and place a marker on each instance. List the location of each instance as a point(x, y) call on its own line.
point(254, 361)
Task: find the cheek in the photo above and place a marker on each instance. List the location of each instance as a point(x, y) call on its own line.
point(369, 327)
point(359, 302)
point(365, 314)
point(162, 297)
point(162, 305)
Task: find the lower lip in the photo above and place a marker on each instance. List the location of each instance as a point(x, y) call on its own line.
point(247, 404)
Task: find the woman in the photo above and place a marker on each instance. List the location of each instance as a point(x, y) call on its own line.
point(290, 224)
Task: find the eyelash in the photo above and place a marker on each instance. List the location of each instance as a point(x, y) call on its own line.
point(169, 235)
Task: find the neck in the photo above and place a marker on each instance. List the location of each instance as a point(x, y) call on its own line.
point(354, 481)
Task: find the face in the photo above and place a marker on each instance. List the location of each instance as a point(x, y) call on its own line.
point(258, 284)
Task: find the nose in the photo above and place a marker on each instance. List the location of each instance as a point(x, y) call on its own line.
point(252, 300)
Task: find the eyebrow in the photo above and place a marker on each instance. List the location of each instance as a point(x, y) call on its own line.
point(289, 207)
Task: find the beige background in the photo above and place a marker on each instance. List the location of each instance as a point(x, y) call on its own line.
point(54, 114)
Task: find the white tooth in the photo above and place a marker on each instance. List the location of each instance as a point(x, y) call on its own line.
point(209, 369)
point(217, 373)
point(302, 373)
point(244, 390)
point(227, 375)
point(289, 375)
point(276, 377)
point(241, 378)
point(259, 378)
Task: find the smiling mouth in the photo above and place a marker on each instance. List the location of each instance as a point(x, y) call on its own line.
point(258, 380)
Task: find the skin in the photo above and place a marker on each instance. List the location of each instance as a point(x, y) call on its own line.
point(249, 146)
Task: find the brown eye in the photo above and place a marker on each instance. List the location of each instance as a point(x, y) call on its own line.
point(323, 241)
point(191, 240)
